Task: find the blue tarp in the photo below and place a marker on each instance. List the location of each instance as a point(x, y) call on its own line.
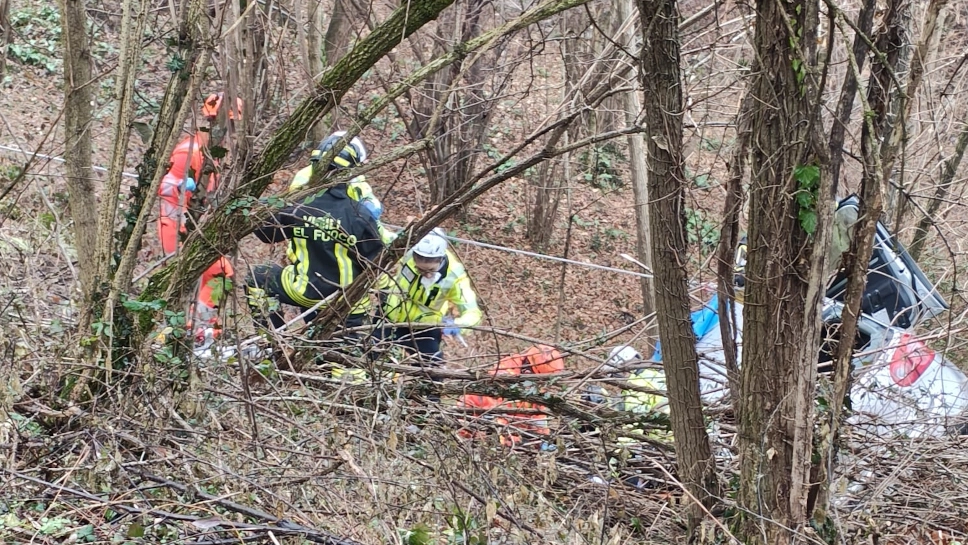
point(703, 321)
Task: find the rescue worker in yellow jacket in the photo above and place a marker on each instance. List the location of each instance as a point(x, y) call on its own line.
point(648, 379)
point(357, 188)
point(417, 303)
point(634, 401)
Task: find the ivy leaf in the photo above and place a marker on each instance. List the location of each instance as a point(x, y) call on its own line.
point(220, 286)
point(418, 535)
point(136, 530)
point(808, 221)
point(175, 63)
point(805, 199)
point(807, 175)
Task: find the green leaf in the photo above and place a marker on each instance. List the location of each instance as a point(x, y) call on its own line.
point(805, 199)
point(808, 221)
point(144, 130)
point(52, 526)
point(85, 534)
point(418, 535)
point(220, 286)
point(176, 63)
point(806, 175)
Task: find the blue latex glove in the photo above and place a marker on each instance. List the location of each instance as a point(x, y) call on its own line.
point(374, 208)
point(188, 185)
point(449, 327)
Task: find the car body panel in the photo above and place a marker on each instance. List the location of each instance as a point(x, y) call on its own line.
point(900, 386)
point(896, 286)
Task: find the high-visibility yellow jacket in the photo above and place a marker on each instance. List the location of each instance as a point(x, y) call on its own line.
point(410, 300)
point(635, 401)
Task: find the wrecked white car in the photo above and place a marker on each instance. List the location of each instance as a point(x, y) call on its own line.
point(900, 385)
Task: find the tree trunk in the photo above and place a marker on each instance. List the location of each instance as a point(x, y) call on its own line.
point(875, 126)
point(789, 215)
point(78, 114)
point(661, 82)
point(845, 106)
point(4, 35)
point(314, 55)
point(456, 110)
point(154, 164)
point(134, 14)
point(926, 49)
point(554, 176)
point(940, 196)
point(728, 243)
point(640, 191)
point(339, 32)
point(550, 186)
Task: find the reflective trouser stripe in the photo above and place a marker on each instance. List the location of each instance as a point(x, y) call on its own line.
point(299, 279)
point(291, 282)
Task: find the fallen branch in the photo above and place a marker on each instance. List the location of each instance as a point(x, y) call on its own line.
point(281, 526)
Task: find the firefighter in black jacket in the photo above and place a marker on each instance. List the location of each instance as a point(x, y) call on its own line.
point(331, 239)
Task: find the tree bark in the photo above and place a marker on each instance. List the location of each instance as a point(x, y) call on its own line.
point(845, 106)
point(876, 108)
point(4, 35)
point(926, 49)
point(339, 32)
point(134, 14)
point(728, 243)
point(661, 81)
point(940, 195)
point(456, 110)
point(789, 214)
point(314, 55)
point(78, 114)
point(638, 168)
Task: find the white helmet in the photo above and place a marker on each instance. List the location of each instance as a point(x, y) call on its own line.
point(621, 356)
point(432, 246)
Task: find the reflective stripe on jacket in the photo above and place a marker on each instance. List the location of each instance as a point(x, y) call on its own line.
point(330, 238)
point(635, 401)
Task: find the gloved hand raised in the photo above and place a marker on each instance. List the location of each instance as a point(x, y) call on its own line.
point(188, 185)
point(449, 327)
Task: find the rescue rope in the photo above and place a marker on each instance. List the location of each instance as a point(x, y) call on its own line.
point(470, 242)
point(60, 160)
